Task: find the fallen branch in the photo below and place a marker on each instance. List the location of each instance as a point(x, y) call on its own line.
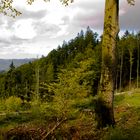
point(54, 128)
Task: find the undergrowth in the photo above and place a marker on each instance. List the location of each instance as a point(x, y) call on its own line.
point(42, 121)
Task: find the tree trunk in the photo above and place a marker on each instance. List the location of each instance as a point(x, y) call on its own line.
point(138, 63)
point(120, 86)
point(130, 73)
point(117, 73)
point(37, 81)
point(104, 103)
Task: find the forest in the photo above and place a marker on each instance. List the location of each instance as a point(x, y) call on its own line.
point(86, 89)
point(57, 93)
point(80, 56)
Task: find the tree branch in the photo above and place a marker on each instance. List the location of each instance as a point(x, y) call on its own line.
point(54, 128)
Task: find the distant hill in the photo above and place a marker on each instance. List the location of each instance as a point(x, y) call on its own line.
point(4, 63)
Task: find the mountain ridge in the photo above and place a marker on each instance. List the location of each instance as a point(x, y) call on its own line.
point(5, 63)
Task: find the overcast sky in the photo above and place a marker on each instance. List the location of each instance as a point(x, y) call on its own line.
point(43, 26)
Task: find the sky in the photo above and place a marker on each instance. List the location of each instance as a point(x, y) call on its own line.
point(45, 25)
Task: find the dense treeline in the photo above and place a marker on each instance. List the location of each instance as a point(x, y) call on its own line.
point(128, 60)
point(80, 59)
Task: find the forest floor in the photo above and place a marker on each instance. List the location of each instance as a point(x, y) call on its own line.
point(31, 125)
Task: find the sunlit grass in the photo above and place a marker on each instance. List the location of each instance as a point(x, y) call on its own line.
point(130, 99)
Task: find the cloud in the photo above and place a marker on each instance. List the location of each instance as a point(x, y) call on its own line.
point(88, 14)
point(24, 29)
point(90, 4)
point(46, 29)
point(11, 43)
point(84, 19)
point(43, 26)
point(130, 19)
point(36, 15)
point(65, 20)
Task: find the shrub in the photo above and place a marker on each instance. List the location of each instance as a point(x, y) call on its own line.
point(2, 105)
point(13, 103)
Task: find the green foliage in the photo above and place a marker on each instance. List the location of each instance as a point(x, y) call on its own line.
point(50, 73)
point(127, 59)
point(79, 120)
point(118, 99)
point(35, 109)
point(81, 55)
point(22, 81)
point(2, 105)
point(13, 103)
point(66, 91)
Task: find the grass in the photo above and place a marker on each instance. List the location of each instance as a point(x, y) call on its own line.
point(127, 116)
point(128, 99)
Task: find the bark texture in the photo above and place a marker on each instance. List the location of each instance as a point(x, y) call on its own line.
point(104, 102)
